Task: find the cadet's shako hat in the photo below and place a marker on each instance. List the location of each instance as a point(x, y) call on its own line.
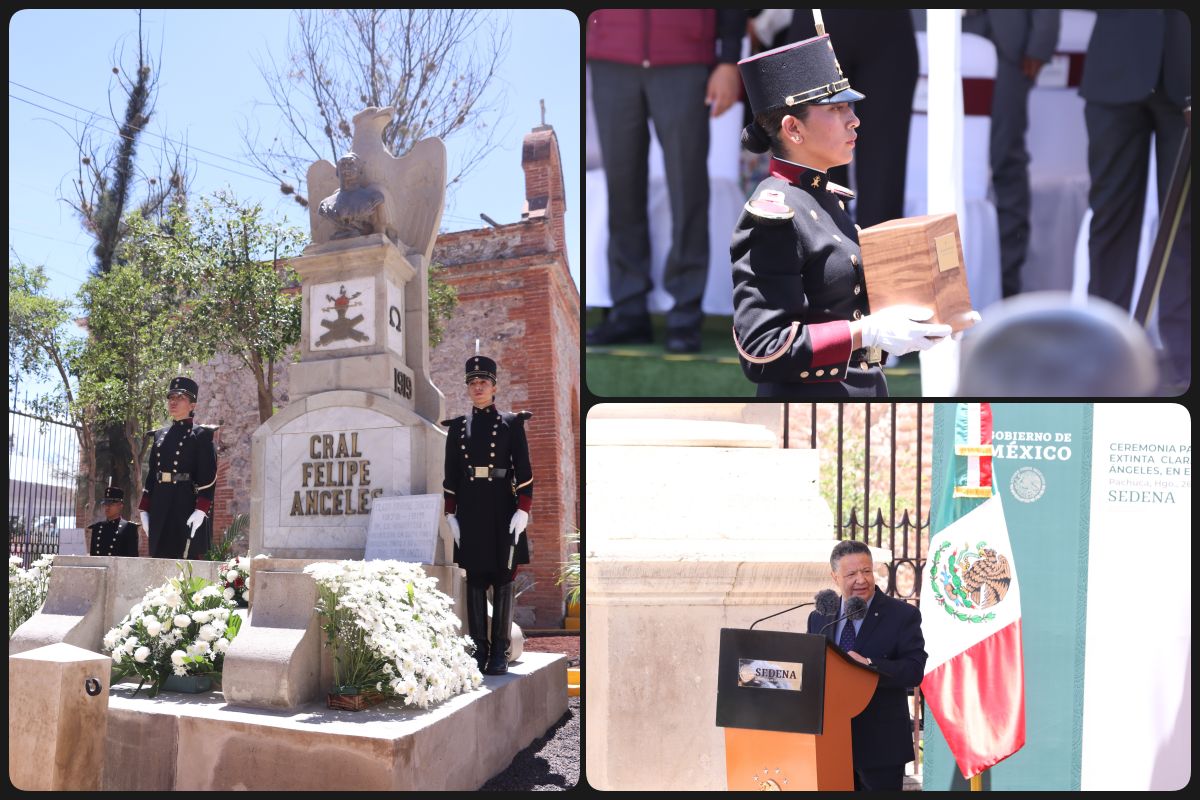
point(796, 74)
point(114, 494)
point(186, 386)
point(481, 367)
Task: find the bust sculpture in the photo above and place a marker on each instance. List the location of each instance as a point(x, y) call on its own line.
point(352, 207)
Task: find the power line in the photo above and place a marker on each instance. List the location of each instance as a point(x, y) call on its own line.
point(164, 138)
point(159, 149)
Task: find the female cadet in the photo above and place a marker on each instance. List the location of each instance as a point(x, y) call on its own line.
point(801, 322)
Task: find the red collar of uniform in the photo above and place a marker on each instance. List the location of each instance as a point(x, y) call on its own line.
point(797, 174)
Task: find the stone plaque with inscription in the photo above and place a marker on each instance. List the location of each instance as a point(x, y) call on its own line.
point(72, 542)
point(404, 528)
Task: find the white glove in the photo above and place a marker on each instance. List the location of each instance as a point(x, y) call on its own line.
point(145, 515)
point(974, 317)
point(454, 529)
point(899, 330)
point(520, 519)
point(195, 520)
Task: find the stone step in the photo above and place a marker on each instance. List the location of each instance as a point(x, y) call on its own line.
point(200, 742)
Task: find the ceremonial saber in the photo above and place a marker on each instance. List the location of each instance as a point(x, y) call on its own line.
point(820, 23)
point(1168, 225)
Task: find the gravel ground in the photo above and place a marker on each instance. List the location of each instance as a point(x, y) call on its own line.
point(550, 762)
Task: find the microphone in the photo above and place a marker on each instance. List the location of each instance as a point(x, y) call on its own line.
point(856, 608)
point(825, 600)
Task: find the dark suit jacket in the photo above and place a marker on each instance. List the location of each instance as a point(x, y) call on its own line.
point(1018, 32)
point(1129, 49)
point(891, 637)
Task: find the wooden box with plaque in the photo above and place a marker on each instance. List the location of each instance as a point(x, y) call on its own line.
point(918, 261)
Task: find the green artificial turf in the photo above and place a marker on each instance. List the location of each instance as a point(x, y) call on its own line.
point(646, 370)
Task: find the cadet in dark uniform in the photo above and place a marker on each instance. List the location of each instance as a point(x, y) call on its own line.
point(801, 321)
point(179, 487)
point(488, 492)
point(115, 536)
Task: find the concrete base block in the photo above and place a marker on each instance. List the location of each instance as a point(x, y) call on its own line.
point(88, 595)
point(202, 743)
point(275, 661)
point(73, 611)
point(57, 718)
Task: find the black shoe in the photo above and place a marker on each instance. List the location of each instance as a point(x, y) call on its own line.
point(683, 340)
point(621, 330)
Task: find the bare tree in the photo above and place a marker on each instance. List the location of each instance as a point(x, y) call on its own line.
point(105, 185)
point(433, 65)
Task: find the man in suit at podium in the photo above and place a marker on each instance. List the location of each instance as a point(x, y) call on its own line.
point(888, 639)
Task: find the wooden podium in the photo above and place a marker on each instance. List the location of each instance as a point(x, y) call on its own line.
point(785, 701)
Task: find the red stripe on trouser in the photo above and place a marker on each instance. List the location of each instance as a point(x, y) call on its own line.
point(978, 700)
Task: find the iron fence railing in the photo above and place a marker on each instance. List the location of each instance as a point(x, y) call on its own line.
point(43, 472)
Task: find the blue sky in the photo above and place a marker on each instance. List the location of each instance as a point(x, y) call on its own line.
point(61, 60)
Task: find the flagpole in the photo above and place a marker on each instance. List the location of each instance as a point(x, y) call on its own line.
point(977, 782)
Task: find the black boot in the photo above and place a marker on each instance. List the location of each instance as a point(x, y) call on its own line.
point(477, 620)
point(502, 613)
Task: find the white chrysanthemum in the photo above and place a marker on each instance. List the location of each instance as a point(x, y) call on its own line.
point(221, 645)
point(110, 639)
point(202, 616)
point(182, 620)
point(179, 670)
point(232, 575)
point(207, 633)
point(228, 594)
point(141, 654)
point(177, 657)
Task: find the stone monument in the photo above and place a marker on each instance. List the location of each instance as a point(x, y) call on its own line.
point(362, 422)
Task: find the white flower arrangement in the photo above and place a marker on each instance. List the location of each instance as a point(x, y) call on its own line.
point(180, 628)
point(26, 588)
point(392, 632)
point(234, 576)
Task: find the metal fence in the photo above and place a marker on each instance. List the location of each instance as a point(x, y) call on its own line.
point(873, 516)
point(43, 473)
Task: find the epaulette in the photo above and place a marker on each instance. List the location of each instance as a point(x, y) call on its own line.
point(769, 206)
point(448, 422)
point(842, 190)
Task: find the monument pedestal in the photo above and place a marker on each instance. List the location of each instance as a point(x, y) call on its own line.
point(199, 742)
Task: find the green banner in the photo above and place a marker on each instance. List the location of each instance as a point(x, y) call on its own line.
point(1041, 465)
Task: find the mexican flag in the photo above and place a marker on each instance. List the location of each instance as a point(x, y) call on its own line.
point(971, 612)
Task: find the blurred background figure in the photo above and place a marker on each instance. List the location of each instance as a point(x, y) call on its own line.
point(877, 51)
point(1025, 40)
point(1039, 345)
point(675, 68)
point(1137, 81)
